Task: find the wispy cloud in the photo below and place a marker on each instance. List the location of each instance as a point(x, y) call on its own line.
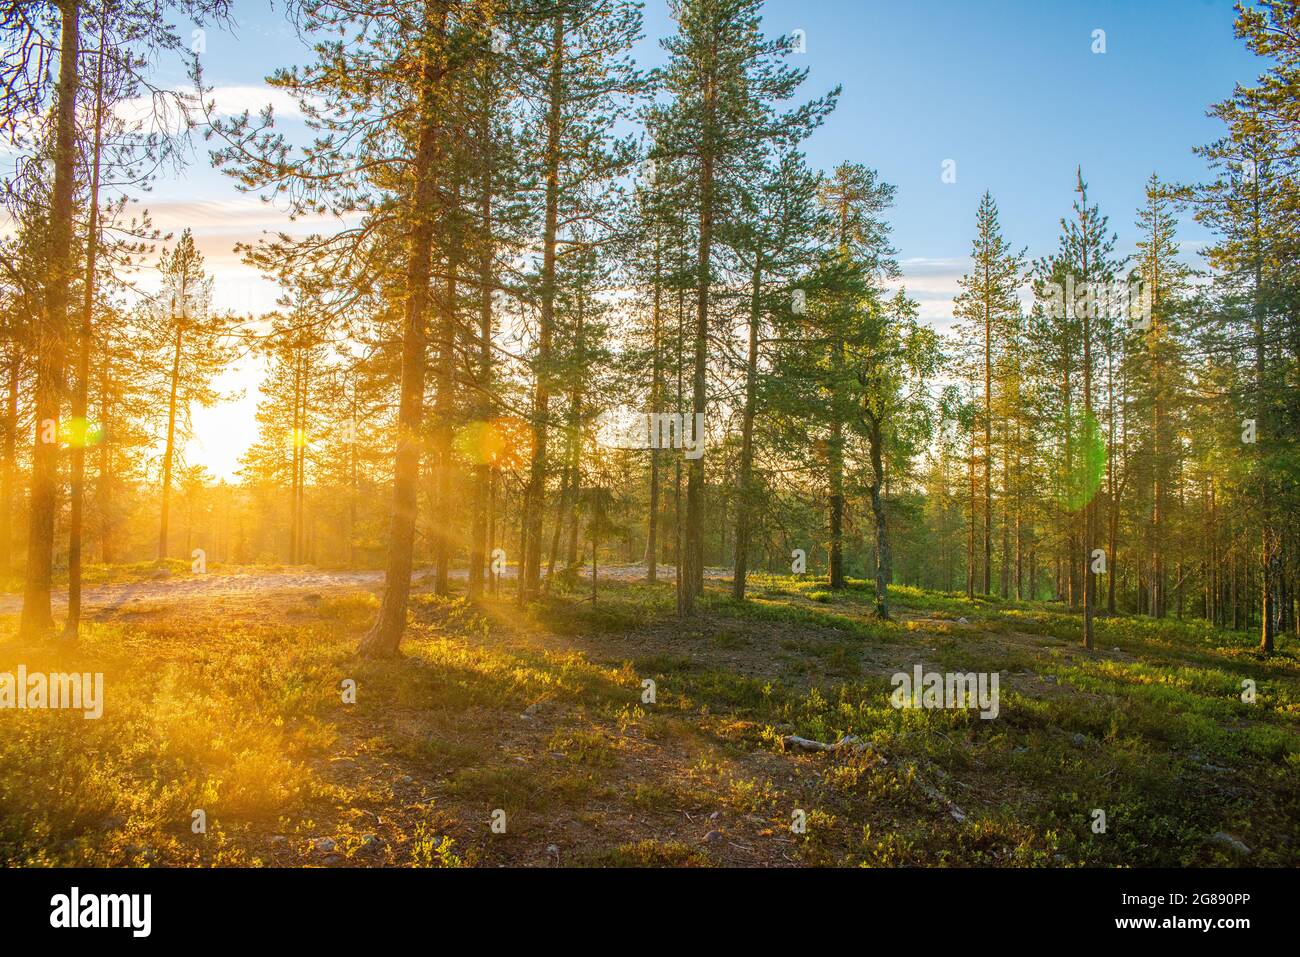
point(244, 214)
point(933, 284)
point(233, 100)
point(166, 110)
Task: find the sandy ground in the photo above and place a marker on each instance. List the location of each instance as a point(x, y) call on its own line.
point(249, 584)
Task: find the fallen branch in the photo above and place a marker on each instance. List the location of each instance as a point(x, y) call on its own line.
point(934, 794)
point(794, 742)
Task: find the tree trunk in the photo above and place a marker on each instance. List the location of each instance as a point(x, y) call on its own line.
point(533, 508)
point(835, 476)
point(594, 546)
point(693, 565)
point(1157, 585)
point(52, 341)
point(576, 397)
point(170, 448)
point(483, 469)
point(295, 529)
point(1020, 504)
point(354, 488)
point(1089, 508)
point(1267, 540)
point(81, 427)
point(304, 555)
point(745, 502)
point(884, 569)
point(1112, 569)
point(678, 528)
point(444, 410)
point(105, 481)
point(1071, 572)
point(1112, 483)
point(385, 635)
point(970, 525)
point(1004, 573)
point(693, 559)
point(561, 513)
point(10, 460)
point(988, 443)
point(571, 552)
point(835, 473)
point(656, 401)
point(493, 577)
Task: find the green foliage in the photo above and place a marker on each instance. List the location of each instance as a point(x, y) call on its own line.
point(544, 718)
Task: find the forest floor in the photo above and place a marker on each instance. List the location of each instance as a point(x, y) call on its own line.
point(113, 586)
point(231, 702)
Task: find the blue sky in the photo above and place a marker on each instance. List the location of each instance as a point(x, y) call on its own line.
point(1010, 91)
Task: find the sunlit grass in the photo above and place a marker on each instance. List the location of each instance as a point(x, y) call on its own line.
point(540, 713)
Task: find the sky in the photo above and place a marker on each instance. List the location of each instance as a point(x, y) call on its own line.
point(1012, 93)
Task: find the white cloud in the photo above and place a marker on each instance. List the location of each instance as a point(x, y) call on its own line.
point(164, 112)
point(933, 284)
point(233, 100)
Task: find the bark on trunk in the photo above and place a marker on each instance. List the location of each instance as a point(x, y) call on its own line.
point(693, 564)
point(884, 566)
point(52, 342)
point(656, 400)
point(169, 449)
point(970, 524)
point(745, 501)
point(105, 479)
point(483, 470)
point(533, 506)
point(10, 461)
point(444, 410)
point(81, 432)
point(988, 445)
point(385, 635)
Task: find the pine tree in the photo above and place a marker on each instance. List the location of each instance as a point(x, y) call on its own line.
point(193, 337)
point(987, 305)
point(391, 84)
point(775, 242)
point(1084, 265)
point(894, 357)
point(1163, 282)
point(52, 333)
point(726, 82)
point(853, 200)
point(583, 81)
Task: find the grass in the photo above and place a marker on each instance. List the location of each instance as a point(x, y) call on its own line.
point(614, 735)
point(96, 573)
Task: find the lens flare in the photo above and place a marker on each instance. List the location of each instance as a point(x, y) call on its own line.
point(503, 443)
point(1086, 448)
point(78, 433)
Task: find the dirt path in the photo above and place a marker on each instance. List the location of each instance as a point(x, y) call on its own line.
point(251, 584)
